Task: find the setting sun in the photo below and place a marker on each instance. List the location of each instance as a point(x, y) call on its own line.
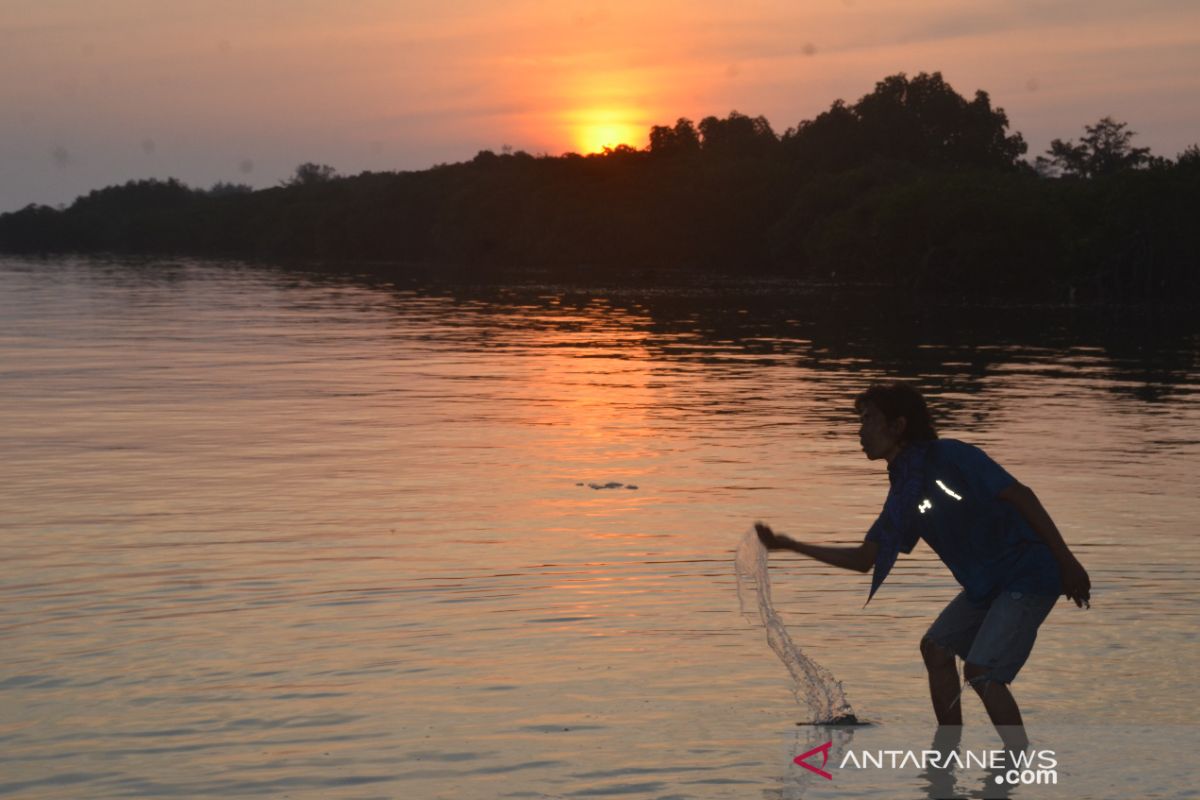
point(595, 130)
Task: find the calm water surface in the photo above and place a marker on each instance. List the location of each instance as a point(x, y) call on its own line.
point(277, 535)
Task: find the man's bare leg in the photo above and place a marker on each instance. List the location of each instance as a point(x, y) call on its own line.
point(1001, 707)
point(944, 687)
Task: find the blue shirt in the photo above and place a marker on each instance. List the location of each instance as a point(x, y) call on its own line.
point(947, 493)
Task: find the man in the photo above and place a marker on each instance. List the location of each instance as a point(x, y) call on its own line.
point(990, 530)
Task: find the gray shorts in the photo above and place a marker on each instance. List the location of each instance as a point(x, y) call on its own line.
point(998, 635)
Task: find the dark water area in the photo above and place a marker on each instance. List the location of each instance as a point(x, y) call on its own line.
point(903, 333)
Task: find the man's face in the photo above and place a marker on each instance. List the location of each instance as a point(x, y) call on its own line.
point(878, 437)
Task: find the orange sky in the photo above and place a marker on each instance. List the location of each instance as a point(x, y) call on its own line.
point(99, 91)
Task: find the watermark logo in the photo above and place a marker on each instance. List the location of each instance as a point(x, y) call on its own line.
point(1026, 777)
point(824, 751)
point(1016, 769)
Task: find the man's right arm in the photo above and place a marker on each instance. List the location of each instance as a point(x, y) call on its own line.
point(1077, 586)
point(859, 559)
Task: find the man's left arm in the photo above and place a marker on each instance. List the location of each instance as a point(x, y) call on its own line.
point(1077, 585)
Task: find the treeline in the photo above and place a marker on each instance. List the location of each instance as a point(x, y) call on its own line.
point(913, 185)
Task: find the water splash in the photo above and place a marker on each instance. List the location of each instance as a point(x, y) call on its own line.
point(813, 685)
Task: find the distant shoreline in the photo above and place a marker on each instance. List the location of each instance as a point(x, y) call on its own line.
point(913, 187)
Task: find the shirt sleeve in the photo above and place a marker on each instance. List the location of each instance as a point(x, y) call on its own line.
point(905, 541)
point(875, 532)
point(989, 475)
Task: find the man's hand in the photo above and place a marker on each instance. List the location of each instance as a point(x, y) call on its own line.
point(770, 539)
point(859, 559)
point(1076, 584)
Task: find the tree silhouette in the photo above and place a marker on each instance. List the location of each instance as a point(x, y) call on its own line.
point(921, 120)
point(680, 139)
point(913, 185)
point(309, 173)
point(1106, 149)
point(224, 188)
point(737, 136)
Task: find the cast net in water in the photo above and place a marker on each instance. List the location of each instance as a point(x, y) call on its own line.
point(813, 685)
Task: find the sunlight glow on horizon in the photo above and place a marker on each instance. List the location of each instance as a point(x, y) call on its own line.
point(597, 129)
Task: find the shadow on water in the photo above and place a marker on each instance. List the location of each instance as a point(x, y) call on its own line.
point(1137, 354)
point(1143, 352)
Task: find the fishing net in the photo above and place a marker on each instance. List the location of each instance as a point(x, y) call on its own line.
point(813, 685)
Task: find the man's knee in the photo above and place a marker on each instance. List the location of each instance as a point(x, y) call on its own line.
point(979, 677)
point(936, 656)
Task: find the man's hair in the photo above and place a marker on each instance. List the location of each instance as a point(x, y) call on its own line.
point(900, 400)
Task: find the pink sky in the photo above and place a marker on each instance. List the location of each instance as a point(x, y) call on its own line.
point(100, 91)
